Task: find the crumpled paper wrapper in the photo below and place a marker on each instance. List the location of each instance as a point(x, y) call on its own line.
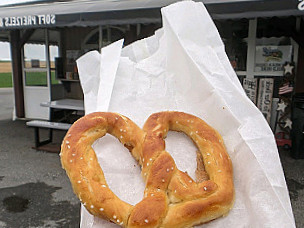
point(184, 67)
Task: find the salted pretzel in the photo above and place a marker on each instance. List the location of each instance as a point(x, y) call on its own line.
point(171, 197)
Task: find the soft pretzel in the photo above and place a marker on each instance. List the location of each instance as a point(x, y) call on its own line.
point(171, 197)
point(191, 203)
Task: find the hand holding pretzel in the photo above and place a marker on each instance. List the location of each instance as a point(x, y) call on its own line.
point(171, 197)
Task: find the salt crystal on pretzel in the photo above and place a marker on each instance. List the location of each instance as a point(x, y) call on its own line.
point(171, 198)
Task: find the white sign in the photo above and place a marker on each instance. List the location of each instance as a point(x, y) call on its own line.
point(301, 5)
point(265, 97)
point(29, 20)
point(272, 58)
point(250, 87)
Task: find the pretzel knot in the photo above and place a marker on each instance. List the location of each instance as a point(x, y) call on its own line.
point(171, 198)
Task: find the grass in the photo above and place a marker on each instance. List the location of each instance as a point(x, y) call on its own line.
point(6, 80)
point(32, 79)
point(35, 79)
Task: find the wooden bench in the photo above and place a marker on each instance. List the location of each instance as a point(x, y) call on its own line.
point(37, 124)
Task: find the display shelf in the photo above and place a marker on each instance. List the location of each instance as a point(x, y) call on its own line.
point(270, 73)
point(69, 80)
point(241, 73)
point(264, 73)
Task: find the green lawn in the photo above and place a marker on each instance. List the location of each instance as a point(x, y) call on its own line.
point(6, 80)
point(32, 79)
point(35, 79)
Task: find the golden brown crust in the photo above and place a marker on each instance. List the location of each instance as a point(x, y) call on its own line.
point(172, 198)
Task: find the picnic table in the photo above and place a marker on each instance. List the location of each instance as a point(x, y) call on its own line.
point(62, 104)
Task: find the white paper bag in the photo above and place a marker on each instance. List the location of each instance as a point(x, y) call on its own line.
point(184, 67)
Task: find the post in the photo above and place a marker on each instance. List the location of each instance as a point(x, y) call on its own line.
point(17, 72)
point(251, 48)
point(100, 37)
point(299, 78)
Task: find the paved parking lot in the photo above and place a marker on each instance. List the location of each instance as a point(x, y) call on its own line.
point(6, 103)
point(35, 191)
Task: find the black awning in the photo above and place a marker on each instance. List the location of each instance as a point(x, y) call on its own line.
point(255, 9)
point(92, 13)
point(81, 13)
point(121, 17)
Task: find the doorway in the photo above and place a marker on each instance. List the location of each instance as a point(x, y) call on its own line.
point(37, 75)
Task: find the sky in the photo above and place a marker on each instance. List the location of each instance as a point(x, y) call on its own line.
point(32, 51)
point(6, 2)
point(5, 53)
point(4, 47)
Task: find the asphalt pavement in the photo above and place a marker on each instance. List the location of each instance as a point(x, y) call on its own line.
point(35, 191)
point(6, 103)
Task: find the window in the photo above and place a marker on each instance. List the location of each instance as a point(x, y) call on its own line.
point(234, 34)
